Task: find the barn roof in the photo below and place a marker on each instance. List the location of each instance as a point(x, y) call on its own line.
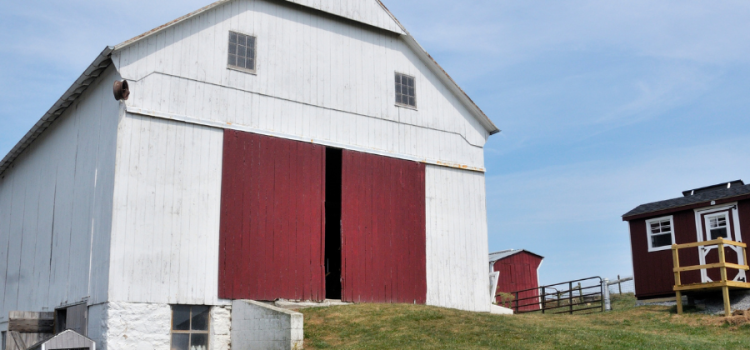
point(690, 199)
point(509, 252)
point(89, 76)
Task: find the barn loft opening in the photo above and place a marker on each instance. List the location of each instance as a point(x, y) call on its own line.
point(333, 223)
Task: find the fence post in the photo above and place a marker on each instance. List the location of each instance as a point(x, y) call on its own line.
point(724, 288)
point(544, 299)
point(570, 296)
point(516, 302)
point(605, 290)
point(619, 284)
point(580, 294)
point(677, 281)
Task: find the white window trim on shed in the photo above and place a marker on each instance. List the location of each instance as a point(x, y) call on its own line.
point(649, 233)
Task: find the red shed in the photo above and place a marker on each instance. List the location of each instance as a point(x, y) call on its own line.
point(702, 214)
point(518, 270)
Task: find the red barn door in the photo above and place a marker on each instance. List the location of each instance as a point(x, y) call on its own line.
point(383, 229)
point(272, 219)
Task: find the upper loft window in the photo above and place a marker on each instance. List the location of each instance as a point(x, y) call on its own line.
point(190, 327)
point(241, 51)
point(660, 234)
point(406, 91)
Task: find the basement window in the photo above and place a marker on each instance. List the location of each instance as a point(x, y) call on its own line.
point(406, 94)
point(241, 52)
point(660, 233)
point(190, 327)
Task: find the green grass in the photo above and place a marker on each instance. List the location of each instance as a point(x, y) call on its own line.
point(375, 326)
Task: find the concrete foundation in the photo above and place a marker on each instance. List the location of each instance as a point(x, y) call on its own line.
point(499, 310)
point(259, 326)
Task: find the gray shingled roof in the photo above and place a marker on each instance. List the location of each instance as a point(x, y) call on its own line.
point(694, 199)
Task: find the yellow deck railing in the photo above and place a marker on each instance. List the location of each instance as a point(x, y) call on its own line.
point(723, 265)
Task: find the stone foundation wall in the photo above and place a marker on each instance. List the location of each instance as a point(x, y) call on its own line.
point(128, 326)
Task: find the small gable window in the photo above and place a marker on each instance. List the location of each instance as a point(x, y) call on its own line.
point(241, 51)
point(660, 233)
point(406, 94)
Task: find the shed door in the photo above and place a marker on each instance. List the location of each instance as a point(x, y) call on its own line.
point(272, 219)
point(383, 229)
point(712, 224)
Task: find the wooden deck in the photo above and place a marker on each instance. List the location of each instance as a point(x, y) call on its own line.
point(724, 285)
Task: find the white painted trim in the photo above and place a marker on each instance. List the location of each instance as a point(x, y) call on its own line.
point(737, 234)
point(648, 233)
point(221, 125)
point(539, 285)
point(725, 215)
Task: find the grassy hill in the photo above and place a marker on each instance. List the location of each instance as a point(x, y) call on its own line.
point(422, 327)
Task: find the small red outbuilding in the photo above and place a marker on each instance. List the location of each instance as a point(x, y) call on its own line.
point(700, 215)
point(518, 270)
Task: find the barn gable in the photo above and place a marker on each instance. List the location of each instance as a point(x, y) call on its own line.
point(314, 72)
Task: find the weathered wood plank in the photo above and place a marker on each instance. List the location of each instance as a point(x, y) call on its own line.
point(457, 277)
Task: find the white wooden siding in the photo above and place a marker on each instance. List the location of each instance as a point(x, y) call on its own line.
point(55, 209)
point(318, 77)
point(365, 11)
point(165, 236)
point(457, 259)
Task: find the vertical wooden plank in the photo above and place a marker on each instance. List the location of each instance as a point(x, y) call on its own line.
point(228, 206)
point(379, 239)
point(273, 252)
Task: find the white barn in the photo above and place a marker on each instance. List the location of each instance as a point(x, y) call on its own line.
point(289, 167)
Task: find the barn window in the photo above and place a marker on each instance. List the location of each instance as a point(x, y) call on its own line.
point(406, 91)
point(241, 52)
point(660, 234)
point(717, 224)
point(190, 327)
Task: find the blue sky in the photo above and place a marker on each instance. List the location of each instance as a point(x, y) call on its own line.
point(604, 105)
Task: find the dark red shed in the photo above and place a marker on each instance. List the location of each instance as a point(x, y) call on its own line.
point(702, 214)
point(518, 270)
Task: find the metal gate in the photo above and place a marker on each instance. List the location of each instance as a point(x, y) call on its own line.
point(583, 295)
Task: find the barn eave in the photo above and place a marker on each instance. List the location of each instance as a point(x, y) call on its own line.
point(79, 87)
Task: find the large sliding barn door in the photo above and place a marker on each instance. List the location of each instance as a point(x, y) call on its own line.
point(383, 229)
point(272, 219)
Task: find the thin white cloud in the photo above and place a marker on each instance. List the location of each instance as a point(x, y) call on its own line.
point(515, 31)
point(605, 189)
point(672, 87)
